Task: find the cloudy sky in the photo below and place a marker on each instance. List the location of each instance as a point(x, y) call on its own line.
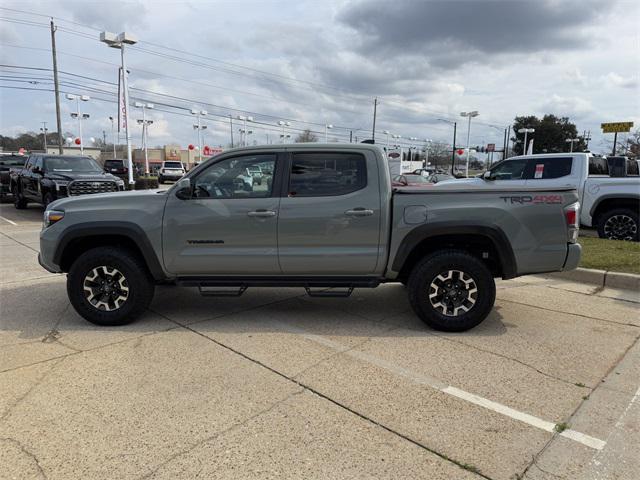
point(323, 62)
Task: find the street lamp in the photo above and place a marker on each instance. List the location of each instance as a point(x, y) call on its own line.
point(397, 138)
point(386, 132)
point(284, 124)
point(571, 140)
point(113, 137)
point(145, 129)
point(525, 131)
point(243, 131)
point(327, 127)
point(119, 41)
point(44, 131)
point(470, 115)
point(78, 115)
point(427, 146)
point(199, 127)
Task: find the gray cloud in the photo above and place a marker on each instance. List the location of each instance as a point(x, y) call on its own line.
point(466, 28)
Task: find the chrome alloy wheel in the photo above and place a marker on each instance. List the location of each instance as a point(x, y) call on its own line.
point(620, 227)
point(453, 293)
point(105, 288)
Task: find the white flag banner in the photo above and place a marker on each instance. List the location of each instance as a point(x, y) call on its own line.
point(122, 105)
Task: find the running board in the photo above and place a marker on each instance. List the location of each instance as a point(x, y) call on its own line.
point(211, 291)
point(329, 292)
point(320, 282)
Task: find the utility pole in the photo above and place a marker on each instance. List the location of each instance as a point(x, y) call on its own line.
point(504, 148)
point(350, 136)
point(615, 142)
point(104, 140)
point(231, 125)
point(453, 153)
point(586, 136)
point(56, 86)
point(375, 111)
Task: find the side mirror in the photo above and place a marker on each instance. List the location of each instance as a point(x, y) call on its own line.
point(37, 170)
point(183, 189)
point(487, 175)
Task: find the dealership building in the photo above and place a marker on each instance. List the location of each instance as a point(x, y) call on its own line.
point(170, 153)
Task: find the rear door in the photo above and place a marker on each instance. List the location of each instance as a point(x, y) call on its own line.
point(330, 214)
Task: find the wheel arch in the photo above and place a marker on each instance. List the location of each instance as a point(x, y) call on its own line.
point(76, 240)
point(489, 243)
point(611, 201)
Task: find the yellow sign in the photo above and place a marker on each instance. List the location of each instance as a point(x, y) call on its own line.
point(616, 127)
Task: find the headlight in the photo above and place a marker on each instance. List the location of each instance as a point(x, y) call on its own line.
point(61, 183)
point(52, 216)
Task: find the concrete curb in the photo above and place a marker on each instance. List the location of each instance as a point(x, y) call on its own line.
point(601, 278)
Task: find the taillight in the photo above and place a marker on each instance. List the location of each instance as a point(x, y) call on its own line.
point(572, 217)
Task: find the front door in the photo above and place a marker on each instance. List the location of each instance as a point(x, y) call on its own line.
point(329, 222)
point(510, 173)
point(229, 225)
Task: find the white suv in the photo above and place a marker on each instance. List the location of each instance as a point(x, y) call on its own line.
point(170, 171)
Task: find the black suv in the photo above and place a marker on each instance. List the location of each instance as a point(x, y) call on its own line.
point(116, 167)
point(46, 178)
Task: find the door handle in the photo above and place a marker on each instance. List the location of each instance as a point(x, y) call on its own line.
point(261, 213)
point(359, 212)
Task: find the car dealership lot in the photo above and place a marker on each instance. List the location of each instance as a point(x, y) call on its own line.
point(275, 383)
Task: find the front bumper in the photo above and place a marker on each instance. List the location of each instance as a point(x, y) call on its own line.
point(574, 252)
point(49, 268)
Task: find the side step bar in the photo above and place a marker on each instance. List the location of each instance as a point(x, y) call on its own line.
point(330, 292)
point(221, 291)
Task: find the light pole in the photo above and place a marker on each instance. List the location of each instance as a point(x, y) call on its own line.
point(245, 133)
point(244, 129)
point(79, 116)
point(119, 41)
point(453, 145)
point(427, 147)
point(571, 140)
point(113, 137)
point(398, 137)
point(284, 124)
point(145, 126)
point(526, 131)
point(44, 131)
point(386, 132)
point(470, 115)
point(199, 127)
point(327, 127)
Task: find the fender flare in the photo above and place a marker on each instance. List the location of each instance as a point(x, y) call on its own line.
point(125, 229)
point(609, 196)
point(493, 233)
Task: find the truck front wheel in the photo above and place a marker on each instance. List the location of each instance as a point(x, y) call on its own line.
point(451, 290)
point(109, 286)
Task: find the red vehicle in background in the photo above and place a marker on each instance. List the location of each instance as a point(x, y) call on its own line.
point(410, 180)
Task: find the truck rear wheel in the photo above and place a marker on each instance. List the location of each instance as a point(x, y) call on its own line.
point(109, 286)
point(619, 224)
point(451, 290)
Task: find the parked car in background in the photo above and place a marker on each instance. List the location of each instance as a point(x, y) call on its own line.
point(170, 170)
point(410, 180)
point(609, 189)
point(116, 167)
point(330, 219)
point(9, 162)
point(426, 171)
point(440, 177)
point(256, 173)
point(45, 178)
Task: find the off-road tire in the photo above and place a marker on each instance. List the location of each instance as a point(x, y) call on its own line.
point(18, 200)
point(629, 228)
point(138, 280)
point(440, 263)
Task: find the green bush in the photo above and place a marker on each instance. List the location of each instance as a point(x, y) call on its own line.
point(146, 183)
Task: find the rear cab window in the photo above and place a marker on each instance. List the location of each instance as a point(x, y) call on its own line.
point(326, 174)
point(598, 166)
point(172, 165)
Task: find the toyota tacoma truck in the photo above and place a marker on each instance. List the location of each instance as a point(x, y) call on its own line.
point(45, 178)
point(329, 221)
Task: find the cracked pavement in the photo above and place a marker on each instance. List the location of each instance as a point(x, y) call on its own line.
point(278, 384)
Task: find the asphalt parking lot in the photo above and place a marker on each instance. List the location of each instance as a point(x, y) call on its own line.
point(275, 384)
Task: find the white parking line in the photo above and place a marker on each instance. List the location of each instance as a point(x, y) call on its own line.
point(436, 384)
point(9, 221)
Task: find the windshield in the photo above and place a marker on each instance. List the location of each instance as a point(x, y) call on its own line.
point(71, 164)
point(12, 161)
point(416, 179)
point(172, 165)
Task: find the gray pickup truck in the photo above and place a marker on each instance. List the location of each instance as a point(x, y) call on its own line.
point(325, 218)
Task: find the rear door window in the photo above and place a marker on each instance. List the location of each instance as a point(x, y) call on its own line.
point(552, 167)
point(632, 168)
point(326, 174)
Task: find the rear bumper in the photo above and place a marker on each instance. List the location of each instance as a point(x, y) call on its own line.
point(574, 252)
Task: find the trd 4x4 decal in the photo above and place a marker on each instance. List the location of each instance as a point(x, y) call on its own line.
point(531, 199)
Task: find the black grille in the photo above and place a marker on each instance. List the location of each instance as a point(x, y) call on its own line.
point(86, 187)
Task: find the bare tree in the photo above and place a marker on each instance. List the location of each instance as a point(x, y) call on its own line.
point(306, 137)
